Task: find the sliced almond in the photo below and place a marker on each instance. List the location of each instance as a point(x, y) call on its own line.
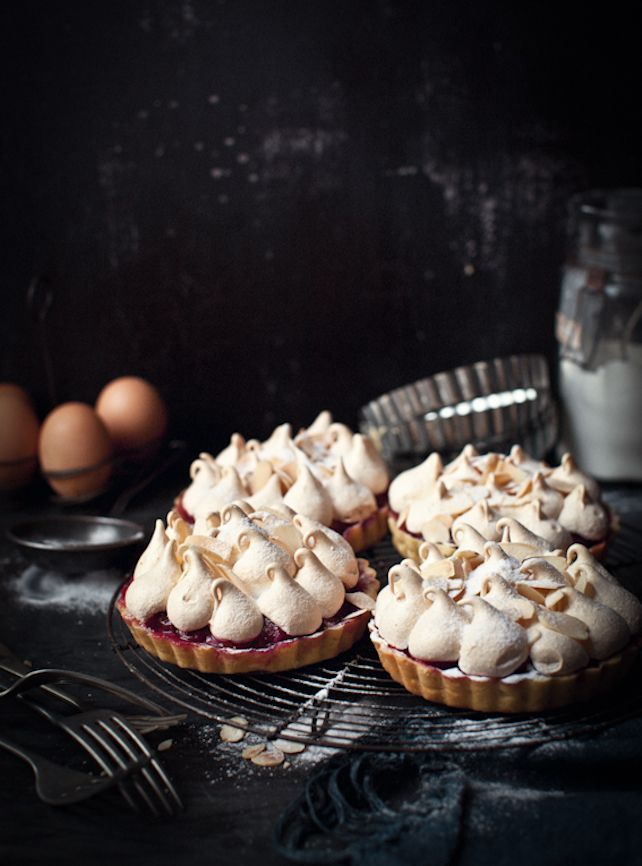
point(231, 733)
point(289, 747)
point(165, 745)
point(559, 562)
point(517, 550)
point(531, 593)
point(269, 758)
point(216, 550)
point(510, 472)
point(250, 752)
point(556, 600)
point(360, 600)
point(441, 568)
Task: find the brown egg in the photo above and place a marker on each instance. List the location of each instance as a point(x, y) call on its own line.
point(134, 413)
point(19, 428)
point(75, 450)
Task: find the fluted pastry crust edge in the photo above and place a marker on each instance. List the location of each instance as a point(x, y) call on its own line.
point(287, 655)
point(484, 694)
point(367, 532)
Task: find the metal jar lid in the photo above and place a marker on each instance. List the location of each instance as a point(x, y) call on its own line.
point(605, 232)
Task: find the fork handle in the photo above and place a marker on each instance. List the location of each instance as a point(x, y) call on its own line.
point(54, 675)
point(14, 666)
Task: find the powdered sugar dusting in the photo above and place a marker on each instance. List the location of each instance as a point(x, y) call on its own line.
point(87, 593)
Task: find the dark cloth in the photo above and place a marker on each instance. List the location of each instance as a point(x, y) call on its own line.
point(563, 802)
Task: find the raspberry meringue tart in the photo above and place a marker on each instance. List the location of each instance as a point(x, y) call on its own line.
point(507, 626)
point(326, 472)
point(247, 590)
point(432, 501)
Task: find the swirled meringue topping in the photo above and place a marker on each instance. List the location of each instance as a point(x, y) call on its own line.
point(582, 516)
point(324, 587)
point(568, 475)
point(351, 500)
point(295, 470)
point(479, 490)
point(330, 547)
point(415, 483)
point(205, 475)
point(189, 603)
point(308, 496)
point(366, 465)
point(513, 607)
point(154, 550)
point(532, 517)
point(247, 566)
point(235, 617)
point(152, 584)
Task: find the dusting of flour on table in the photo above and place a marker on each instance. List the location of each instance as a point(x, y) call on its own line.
point(84, 593)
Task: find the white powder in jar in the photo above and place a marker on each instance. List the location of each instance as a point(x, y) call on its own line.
point(602, 415)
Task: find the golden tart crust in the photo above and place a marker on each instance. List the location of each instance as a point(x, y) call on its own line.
point(509, 626)
point(515, 694)
point(288, 654)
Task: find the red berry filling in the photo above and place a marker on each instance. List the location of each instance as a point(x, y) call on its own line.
point(182, 511)
point(270, 635)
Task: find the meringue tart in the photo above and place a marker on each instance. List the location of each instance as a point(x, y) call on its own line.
point(325, 472)
point(432, 501)
point(505, 626)
point(265, 590)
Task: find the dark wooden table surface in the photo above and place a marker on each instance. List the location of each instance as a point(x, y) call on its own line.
point(515, 802)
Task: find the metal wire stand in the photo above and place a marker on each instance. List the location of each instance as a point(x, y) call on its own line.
point(351, 703)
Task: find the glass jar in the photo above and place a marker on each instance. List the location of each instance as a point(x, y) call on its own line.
point(599, 331)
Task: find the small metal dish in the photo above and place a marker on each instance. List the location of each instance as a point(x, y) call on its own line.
point(78, 543)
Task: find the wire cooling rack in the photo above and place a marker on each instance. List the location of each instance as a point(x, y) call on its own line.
point(351, 703)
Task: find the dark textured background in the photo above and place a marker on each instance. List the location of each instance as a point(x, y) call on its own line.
point(268, 208)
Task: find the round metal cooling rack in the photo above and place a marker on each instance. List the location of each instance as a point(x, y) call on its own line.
point(351, 703)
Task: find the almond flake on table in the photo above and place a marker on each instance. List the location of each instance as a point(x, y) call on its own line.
point(232, 733)
point(269, 758)
point(289, 747)
point(250, 752)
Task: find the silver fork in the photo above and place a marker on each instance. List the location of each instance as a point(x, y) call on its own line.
point(159, 718)
point(118, 748)
point(45, 677)
point(108, 737)
point(58, 785)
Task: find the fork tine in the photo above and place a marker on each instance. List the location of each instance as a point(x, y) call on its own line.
point(95, 731)
point(112, 753)
point(153, 763)
point(145, 772)
point(87, 739)
point(123, 734)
